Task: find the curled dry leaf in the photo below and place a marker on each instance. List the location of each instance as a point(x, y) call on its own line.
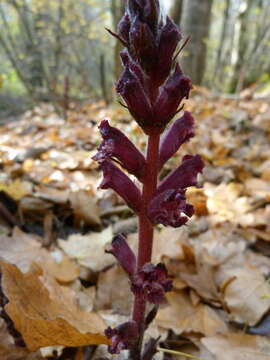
point(47, 318)
point(247, 296)
point(238, 347)
point(182, 317)
point(89, 249)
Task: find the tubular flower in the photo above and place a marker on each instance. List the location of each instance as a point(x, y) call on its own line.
point(179, 132)
point(122, 336)
point(184, 176)
point(115, 179)
point(151, 283)
point(116, 145)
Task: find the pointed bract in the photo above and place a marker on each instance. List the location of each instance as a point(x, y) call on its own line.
point(179, 132)
point(123, 253)
point(116, 145)
point(114, 178)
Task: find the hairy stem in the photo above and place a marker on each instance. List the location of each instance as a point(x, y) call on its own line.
point(146, 232)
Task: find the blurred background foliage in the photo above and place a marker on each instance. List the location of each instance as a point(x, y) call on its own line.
point(57, 50)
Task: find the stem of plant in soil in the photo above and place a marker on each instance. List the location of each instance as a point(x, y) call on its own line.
point(146, 232)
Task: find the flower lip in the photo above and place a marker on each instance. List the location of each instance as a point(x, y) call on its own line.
point(122, 337)
point(151, 283)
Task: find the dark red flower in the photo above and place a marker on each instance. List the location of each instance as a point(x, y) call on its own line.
point(116, 145)
point(122, 337)
point(115, 179)
point(124, 28)
point(170, 208)
point(123, 253)
point(151, 282)
point(179, 132)
point(184, 176)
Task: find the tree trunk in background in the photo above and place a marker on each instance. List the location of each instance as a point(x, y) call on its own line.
point(196, 23)
point(224, 33)
point(176, 11)
point(118, 10)
point(244, 40)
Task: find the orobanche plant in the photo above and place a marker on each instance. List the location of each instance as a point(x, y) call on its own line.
point(152, 86)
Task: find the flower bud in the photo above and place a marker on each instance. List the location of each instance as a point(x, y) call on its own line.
point(172, 93)
point(179, 132)
point(124, 28)
point(168, 40)
point(116, 145)
point(132, 91)
point(115, 179)
point(123, 253)
point(142, 44)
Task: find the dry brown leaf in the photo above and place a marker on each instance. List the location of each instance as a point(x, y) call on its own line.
point(85, 208)
point(89, 249)
point(225, 203)
point(182, 317)
point(108, 296)
point(22, 249)
point(238, 347)
point(248, 296)
point(46, 318)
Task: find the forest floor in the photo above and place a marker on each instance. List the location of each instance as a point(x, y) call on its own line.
point(59, 285)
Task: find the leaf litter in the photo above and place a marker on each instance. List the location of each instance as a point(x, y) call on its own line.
point(60, 287)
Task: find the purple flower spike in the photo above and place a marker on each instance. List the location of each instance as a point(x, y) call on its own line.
point(115, 179)
point(172, 93)
point(123, 253)
point(122, 337)
point(184, 176)
point(116, 145)
point(169, 208)
point(132, 91)
point(179, 132)
point(151, 283)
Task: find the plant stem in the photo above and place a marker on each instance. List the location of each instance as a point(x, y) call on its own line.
point(146, 232)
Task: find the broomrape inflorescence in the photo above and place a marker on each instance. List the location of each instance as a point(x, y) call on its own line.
point(153, 87)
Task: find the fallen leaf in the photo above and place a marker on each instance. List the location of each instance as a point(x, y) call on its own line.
point(238, 347)
point(85, 207)
point(182, 317)
point(23, 249)
point(46, 318)
point(89, 249)
point(247, 296)
point(17, 189)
